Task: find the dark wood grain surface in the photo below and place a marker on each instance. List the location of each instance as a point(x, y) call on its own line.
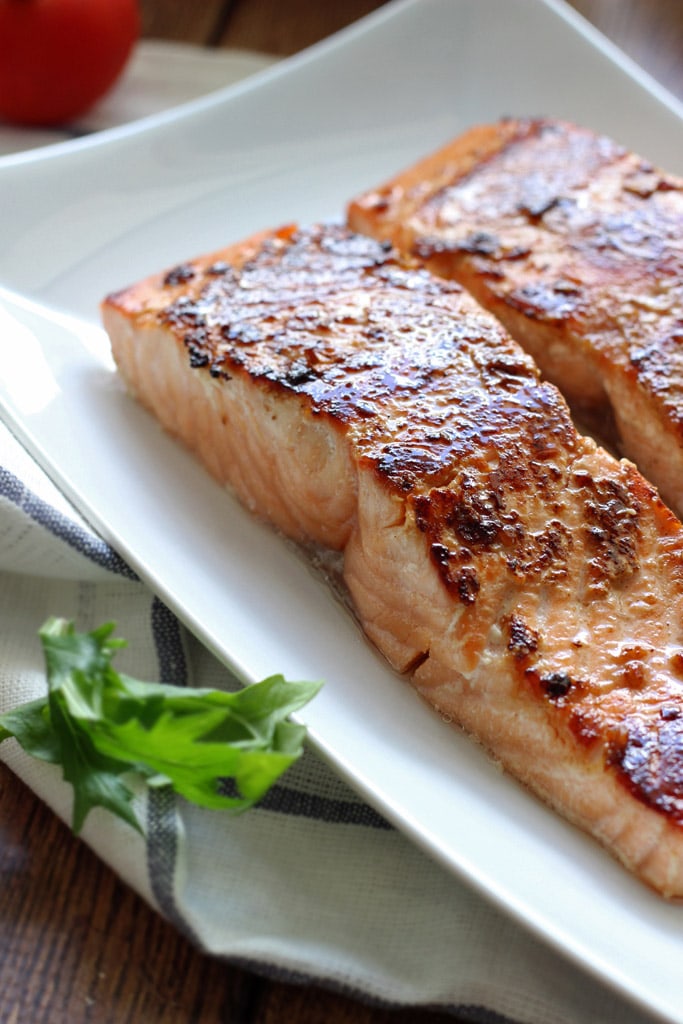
point(75, 944)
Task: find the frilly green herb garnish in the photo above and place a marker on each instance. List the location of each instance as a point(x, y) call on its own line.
point(219, 750)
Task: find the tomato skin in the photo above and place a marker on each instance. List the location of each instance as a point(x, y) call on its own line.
point(58, 57)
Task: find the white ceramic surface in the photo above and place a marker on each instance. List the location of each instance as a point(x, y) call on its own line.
point(83, 218)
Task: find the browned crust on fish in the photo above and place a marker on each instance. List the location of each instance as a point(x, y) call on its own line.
point(529, 584)
point(576, 245)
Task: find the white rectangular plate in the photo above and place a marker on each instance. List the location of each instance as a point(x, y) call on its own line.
point(84, 218)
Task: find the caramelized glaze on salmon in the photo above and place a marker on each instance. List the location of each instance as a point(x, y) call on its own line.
point(529, 584)
point(576, 245)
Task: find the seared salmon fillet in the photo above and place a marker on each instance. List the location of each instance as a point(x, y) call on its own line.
point(576, 245)
point(529, 584)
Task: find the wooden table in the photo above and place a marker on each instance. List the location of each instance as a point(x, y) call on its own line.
point(75, 944)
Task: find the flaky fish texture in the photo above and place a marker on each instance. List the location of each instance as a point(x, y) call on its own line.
point(528, 583)
point(576, 245)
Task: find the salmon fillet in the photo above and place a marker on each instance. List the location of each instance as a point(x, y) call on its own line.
point(576, 245)
point(528, 584)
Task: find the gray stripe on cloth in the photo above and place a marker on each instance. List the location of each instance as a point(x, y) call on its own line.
point(286, 800)
point(162, 851)
point(78, 538)
point(169, 645)
point(162, 816)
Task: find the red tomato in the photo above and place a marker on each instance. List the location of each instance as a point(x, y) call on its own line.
point(57, 57)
